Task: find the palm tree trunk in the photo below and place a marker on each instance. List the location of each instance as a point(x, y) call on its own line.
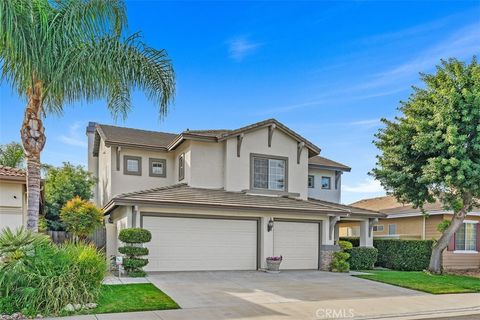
point(33, 140)
point(442, 243)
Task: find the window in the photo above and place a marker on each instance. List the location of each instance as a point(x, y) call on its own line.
point(269, 173)
point(392, 229)
point(466, 237)
point(158, 167)
point(326, 183)
point(181, 167)
point(311, 181)
point(132, 165)
point(378, 228)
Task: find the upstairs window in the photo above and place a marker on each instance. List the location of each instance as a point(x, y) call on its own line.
point(326, 183)
point(181, 167)
point(158, 167)
point(132, 165)
point(466, 237)
point(269, 173)
point(311, 181)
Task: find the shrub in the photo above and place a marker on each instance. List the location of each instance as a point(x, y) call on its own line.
point(345, 245)
point(339, 262)
point(133, 251)
point(355, 241)
point(405, 255)
point(134, 237)
point(81, 217)
point(15, 245)
point(49, 277)
point(362, 258)
point(442, 226)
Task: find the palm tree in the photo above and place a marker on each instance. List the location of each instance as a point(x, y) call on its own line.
point(57, 52)
point(11, 155)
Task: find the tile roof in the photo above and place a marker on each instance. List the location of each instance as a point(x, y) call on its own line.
point(324, 162)
point(182, 194)
point(353, 210)
point(9, 173)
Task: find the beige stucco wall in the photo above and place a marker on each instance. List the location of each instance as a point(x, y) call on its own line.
point(104, 182)
point(123, 183)
point(407, 228)
point(237, 169)
point(208, 159)
point(332, 194)
point(12, 204)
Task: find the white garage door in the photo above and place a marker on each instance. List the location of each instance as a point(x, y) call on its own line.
point(297, 242)
point(188, 244)
point(11, 218)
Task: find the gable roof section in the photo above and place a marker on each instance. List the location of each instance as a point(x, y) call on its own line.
point(377, 203)
point(354, 211)
point(10, 173)
point(324, 163)
point(156, 140)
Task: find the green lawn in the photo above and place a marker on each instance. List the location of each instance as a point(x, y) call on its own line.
point(132, 297)
point(422, 281)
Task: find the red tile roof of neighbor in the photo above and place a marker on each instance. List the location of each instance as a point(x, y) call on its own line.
point(9, 173)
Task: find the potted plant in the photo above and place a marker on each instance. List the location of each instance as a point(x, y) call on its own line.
point(273, 264)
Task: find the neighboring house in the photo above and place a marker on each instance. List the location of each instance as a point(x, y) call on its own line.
point(12, 197)
point(405, 222)
point(222, 199)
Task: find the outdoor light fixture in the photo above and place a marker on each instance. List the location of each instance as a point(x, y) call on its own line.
point(270, 225)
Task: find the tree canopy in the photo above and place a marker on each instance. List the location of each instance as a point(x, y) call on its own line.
point(11, 155)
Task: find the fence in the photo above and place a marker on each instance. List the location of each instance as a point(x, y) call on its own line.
point(98, 237)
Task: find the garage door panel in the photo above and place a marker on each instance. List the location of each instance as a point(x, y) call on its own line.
point(201, 244)
point(298, 243)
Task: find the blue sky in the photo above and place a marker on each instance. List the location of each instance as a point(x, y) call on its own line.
point(328, 70)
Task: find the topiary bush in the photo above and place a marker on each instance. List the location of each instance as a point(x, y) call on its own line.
point(339, 261)
point(362, 258)
point(133, 238)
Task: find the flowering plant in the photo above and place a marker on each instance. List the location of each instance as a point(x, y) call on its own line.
point(275, 258)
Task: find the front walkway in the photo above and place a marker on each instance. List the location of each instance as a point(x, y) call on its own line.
point(293, 295)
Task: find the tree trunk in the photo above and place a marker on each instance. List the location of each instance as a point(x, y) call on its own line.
point(442, 243)
point(33, 140)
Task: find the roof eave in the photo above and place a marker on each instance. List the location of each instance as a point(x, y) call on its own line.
point(324, 167)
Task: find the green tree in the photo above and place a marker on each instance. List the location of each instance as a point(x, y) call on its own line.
point(432, 152)
point(81, 217)
point(61, 185)
point(57, 52)
point(11, 155)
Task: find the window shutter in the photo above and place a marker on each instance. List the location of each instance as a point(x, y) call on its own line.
point(451, 244)
point(478, 237)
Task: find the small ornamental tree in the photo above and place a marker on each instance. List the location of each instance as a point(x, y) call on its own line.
point(133, 239)
point(432, 152)
point(340, 258)
point(81, 217)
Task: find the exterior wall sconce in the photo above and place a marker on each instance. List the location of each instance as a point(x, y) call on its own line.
point(270, 225)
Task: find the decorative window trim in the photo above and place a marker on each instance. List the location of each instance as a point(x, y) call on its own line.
point(132, 173)
point(267, 156)
point(468, 251)
point(329, 183)
point(150, 167)
point(181, 168)
point(311, 186)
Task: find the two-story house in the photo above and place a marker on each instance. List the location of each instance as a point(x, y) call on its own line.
point(222, 199)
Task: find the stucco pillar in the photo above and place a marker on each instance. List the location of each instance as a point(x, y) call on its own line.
point(266, 241)
point(336, 233)
point(327, 243)
point(366, 234)
point(130, 217)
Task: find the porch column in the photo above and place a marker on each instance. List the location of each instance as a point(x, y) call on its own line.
point(327, 243)
point(337, 233)
point(266, 241)
point(366, 233)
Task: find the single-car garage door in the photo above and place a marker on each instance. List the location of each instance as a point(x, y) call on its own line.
point(192, 244)
point(297, 242)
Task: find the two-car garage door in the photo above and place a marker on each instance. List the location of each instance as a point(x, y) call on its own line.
point(189, 244)
point(207, 243)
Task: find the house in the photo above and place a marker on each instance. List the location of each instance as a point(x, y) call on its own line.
point(12, 197)
point(222, 199)
point(405, 222)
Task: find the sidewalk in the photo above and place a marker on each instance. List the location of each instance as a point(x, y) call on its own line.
point(396, 308)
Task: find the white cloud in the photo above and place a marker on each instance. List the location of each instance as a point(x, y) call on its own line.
point(366, 123)
point(241, 47)
point(369, 185)
point(74, 137)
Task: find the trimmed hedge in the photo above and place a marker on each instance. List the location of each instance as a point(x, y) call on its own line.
point(397, 254)
point(135, 235)
point(405, 255)
point(133, 251)
point(362, 258)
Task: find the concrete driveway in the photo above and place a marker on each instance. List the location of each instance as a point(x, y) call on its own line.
point(249, 288)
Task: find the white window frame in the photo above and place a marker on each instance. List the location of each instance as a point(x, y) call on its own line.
point(269, 158)
point(312, 185)
point(377, 227)
point(329, 183)
point(394, 225)
point(476, 244)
